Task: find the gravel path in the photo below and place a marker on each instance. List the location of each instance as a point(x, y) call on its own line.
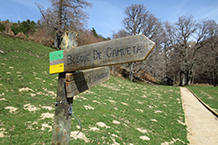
point(202, 125)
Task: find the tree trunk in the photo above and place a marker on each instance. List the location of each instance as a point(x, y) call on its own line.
point(60, 12)
point(215, 78)
point(193, 78)
point(189, 77)
point(57, 42)
point(183, 78)
point(180, 78)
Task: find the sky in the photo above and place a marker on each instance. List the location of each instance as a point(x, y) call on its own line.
point(106, 15)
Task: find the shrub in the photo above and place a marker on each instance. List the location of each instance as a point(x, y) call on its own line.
point(2, 27)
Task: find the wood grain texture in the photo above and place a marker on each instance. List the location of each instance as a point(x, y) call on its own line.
point(62, 119)
point(80, 81)
point(122, 50)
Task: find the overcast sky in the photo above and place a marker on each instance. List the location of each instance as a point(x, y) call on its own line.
point(106, 15)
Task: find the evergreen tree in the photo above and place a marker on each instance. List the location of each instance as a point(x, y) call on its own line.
point(99, 36)
point(15, 28)
point(2, 27)
point(94, 32)
point(24, 27)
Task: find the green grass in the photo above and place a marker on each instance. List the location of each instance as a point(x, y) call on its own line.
point(207, 94)
point(130, 110)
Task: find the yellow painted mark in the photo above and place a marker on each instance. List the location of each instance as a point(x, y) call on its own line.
point(57, 68)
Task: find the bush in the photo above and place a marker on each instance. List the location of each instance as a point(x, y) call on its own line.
point(15, 28)
point(24, 27)
point(2, 27)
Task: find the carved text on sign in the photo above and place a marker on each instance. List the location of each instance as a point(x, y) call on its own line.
point(117, 51)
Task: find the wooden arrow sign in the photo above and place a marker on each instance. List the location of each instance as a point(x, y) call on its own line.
point(122, 50)
point(80, 81)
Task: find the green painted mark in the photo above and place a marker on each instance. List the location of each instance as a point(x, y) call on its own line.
point(56, 55)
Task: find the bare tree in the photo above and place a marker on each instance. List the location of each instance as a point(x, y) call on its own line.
point(180, 47)
point(184, 40)
point(213, 41)
point(201, 37)
point(209, 51)
point(64, 15)
point(168, 43)
point(68, 14)
point(139, 21)
point(133, 24)
point(134, 21)
point(176, 46)
point(121, 33)
point(154, 63)
point(152, 27)
point(186, 27)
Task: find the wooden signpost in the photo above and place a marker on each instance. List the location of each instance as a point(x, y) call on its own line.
point(69, 85)
point(83, 80)
point(123, 50)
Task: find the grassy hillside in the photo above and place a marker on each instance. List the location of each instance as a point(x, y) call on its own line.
point(115, 112)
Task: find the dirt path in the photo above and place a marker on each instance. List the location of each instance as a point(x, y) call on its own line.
point(202, 124)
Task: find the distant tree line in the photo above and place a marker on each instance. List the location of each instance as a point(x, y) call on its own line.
point(27, 27)
point(24, 26)
point(186, 51)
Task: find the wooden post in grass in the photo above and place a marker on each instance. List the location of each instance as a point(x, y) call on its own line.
point(62, 118)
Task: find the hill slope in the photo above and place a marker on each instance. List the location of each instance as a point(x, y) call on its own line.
point(115, 112)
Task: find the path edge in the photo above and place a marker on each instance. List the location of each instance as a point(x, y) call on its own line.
point(205, 105)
